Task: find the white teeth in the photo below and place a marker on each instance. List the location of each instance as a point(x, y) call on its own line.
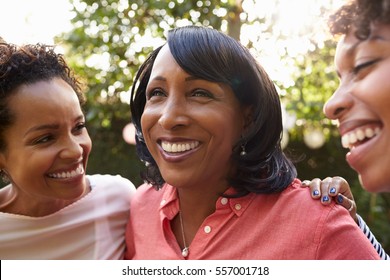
point(360, 134)
point(179, 147)
point(65, 175)
point(349, 139)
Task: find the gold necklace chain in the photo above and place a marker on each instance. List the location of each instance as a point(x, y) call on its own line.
point(185, 250)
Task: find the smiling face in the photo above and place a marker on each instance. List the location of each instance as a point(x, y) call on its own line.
point(190, 125)
point(47, 146)
point(361, 104)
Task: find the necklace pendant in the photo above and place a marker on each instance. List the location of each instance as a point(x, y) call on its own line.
point(185, 252)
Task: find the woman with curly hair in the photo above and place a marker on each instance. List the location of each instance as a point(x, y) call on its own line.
point(51, 209)
point(362, 101)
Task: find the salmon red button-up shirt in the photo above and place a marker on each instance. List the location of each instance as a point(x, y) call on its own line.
point(283, 226)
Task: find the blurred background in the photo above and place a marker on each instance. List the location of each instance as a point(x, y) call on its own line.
point(106, 41)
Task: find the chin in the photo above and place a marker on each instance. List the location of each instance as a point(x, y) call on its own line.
point(370, 184)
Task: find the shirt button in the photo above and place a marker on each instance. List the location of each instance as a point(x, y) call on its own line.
point(237, 206)
point(162, 202)
point(207, 229)
point(224, 201)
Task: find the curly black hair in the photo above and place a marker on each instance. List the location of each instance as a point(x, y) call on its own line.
point(359, 14)
point(28, 64)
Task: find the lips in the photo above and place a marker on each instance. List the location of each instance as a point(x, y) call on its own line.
point(68, 174)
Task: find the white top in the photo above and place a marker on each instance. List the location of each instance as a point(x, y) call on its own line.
point(90, 228)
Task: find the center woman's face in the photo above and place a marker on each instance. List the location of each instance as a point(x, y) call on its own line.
point(190, 125)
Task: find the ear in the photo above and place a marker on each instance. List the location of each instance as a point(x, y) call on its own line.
point(247, 117)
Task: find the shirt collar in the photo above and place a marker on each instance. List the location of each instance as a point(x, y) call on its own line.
point(169, 204)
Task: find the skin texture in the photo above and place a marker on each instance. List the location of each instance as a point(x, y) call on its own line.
point(333, 188)
point(362, 102)
point(206, 116)
point(183, 109)
point(47, 139)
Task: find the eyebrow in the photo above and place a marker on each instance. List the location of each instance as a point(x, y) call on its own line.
point(373, 37)
point(48, 126)
point(41, 127)
point(351, 50)
point(189, 78)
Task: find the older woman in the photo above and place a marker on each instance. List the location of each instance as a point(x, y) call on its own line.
point(218, 185)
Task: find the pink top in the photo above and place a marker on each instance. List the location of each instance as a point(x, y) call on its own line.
point(288, 225)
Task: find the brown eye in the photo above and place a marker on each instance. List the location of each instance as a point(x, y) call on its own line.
point(80, 126)
point(201, 93)
point(155, 92)
point(42, 140)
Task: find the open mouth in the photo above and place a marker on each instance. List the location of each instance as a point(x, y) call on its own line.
point(359, 136)
point(68, 174)
point(179, 147)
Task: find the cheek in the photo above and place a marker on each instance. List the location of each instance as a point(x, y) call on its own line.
point(30, 169)
point(227, 131)
point(147, 131)
point(375, 97)
point(148, 121)
point(87, 144)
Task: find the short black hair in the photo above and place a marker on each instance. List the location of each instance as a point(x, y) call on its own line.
point(209, 54)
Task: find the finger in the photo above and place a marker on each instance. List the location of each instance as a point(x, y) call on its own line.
point(334, 186)
point(305, 183)
point(315, 188)
point(325, 198)
point(343, 187)
point(348, 204)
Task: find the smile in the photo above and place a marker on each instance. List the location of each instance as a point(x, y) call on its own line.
point(68, 174)
point(359, 135)
point(179, 147)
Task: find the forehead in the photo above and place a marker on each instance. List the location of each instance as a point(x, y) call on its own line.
point(55, 95)
point(164, 61)
point(349, 43)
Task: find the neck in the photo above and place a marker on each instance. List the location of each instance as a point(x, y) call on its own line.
point(197, 206)
point(194, 207)
point(14, 201)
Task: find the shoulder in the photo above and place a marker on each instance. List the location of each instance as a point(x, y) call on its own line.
point(298, 201)
point(115, 183)
point(146, 192)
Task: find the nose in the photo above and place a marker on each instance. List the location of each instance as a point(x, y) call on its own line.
point(175, 113)
point(340, 102)
point(72, 148)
